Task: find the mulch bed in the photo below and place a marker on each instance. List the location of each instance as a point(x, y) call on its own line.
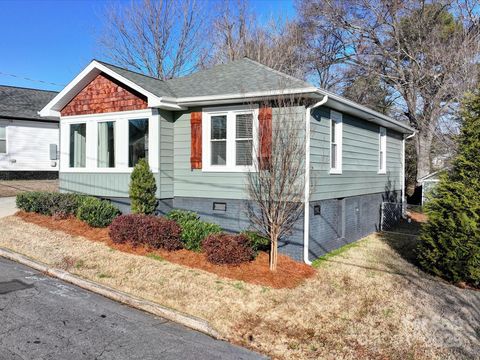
point(289, 273)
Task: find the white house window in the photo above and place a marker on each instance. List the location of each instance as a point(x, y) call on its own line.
point(106, 144)
point(78, 145)
point(336, 129)
point(3, 139)
point(228, 137)
point(218, 140)
point(137, 141)
point(382, 151)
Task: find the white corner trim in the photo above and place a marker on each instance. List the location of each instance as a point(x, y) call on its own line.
point(306, 210)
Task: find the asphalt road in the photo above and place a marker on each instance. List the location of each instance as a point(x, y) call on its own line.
point(45, 318)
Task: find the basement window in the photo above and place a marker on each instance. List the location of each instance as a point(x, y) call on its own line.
point(220, 206)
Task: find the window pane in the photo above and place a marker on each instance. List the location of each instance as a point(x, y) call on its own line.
point(381, 160)
point(333, 131)
point(244, 152)
point(106, 144)
point(137, 141)
point(78, 145)
point(3, 132)
point(3, 146)
point(244, 126)
point(334, 156)
point(219, 127)
point(219, 152)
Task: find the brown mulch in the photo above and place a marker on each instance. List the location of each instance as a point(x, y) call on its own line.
point(418, 217)
point(289, 273)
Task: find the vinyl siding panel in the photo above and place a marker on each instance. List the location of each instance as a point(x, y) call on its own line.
point(28, 145)
point(360, 159)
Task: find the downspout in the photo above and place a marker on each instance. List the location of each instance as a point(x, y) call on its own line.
point(306, 211)
point(403, 175)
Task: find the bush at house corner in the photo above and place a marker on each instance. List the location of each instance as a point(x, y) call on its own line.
point(142, 189)
point(450, 241)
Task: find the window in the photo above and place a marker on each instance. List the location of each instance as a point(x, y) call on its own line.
point(336, 128)
point(106, 144)
point(137, 141)
point(77, 145)
point(382, 151)
point(3, 139)
point(218, 140)
point(228, 139)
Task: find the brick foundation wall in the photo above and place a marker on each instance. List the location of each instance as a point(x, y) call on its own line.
point(104, 94)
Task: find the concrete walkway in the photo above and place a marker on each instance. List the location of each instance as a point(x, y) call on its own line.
point(7, 206)
point(45, 318)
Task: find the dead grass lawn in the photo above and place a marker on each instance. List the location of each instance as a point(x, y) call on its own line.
point(15, 187)
point(366, 303)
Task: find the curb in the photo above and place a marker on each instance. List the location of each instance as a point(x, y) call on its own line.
point(119, 296)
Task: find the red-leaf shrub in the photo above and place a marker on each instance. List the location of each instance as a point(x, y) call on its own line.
point(150, 230)
point(227, 249)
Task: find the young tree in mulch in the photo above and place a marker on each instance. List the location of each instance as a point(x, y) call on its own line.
point(142, 189)
point(276, 186)
point(450, 241)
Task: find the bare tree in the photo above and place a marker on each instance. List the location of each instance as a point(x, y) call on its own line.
point(236, 33)
point(425, 52)
point(276, 186)
point(161, 38)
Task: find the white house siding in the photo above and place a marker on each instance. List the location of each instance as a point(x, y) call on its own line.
point(28, 145)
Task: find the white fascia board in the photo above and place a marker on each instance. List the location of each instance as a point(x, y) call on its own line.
point(82, 80)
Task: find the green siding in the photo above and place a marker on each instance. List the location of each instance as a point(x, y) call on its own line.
point(97, 184)
point(360, 159)
point(165, 173)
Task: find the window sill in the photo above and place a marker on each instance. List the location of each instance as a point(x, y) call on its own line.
point(100, 170)
point(335, 172)
point(381, 172)
point(228, 169)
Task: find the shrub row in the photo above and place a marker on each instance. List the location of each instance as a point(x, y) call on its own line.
point(150, 230)
point(95, 212)
point(228, 249)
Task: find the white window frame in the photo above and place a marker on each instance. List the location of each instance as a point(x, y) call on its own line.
point(230, 112)
point(121, 140)
point(382, 148)
point(6, 140)
point(115, 141)
point(337, 118)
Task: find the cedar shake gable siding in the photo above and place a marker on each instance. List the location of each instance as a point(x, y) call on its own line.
point(102, 95)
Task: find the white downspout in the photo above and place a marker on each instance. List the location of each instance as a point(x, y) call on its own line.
point(403, 175)
point(306, 211)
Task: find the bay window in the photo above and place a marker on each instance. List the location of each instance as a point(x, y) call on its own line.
point(228, 138)
point(137, 141)
point(78, 139)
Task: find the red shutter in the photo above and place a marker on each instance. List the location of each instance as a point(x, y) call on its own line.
point(265, 137)
point(196, 136)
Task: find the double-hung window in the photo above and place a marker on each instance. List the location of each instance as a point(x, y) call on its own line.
point(3, 139)
point(106, 144)
point(336, 129)
point(382, 150)
point(137, 141)
point(228, 138)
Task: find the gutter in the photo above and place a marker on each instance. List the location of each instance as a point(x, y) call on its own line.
point(404, 203)
point(306, 211)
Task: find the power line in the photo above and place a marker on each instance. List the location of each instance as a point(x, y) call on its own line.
point(32, 80)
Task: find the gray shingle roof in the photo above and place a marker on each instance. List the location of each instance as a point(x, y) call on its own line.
point(23, 103)
point(240, 76)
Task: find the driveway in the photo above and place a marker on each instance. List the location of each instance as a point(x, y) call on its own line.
point(45, 318)
point(7, 206)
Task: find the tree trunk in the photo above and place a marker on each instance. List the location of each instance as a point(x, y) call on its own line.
point(423, 149)
point(273, 253)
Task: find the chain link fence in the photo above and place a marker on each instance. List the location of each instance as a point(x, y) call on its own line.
point(391, 216)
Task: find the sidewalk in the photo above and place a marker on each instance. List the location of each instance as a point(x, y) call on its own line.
point(7, 206)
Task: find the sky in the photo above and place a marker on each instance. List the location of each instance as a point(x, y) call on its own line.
point(46, 43)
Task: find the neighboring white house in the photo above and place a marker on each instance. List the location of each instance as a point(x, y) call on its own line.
point(28, 142)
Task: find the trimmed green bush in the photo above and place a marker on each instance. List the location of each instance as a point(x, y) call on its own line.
point(450, 240)
point(257, 241)
point(49, 203)
point(193, 229)
point(142, 189)
point(96, 212)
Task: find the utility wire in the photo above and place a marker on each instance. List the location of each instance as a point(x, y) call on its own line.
point(33, 80)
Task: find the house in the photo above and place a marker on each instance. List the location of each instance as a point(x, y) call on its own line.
point(111, 117)
point(28, 142)
point(429, 182)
